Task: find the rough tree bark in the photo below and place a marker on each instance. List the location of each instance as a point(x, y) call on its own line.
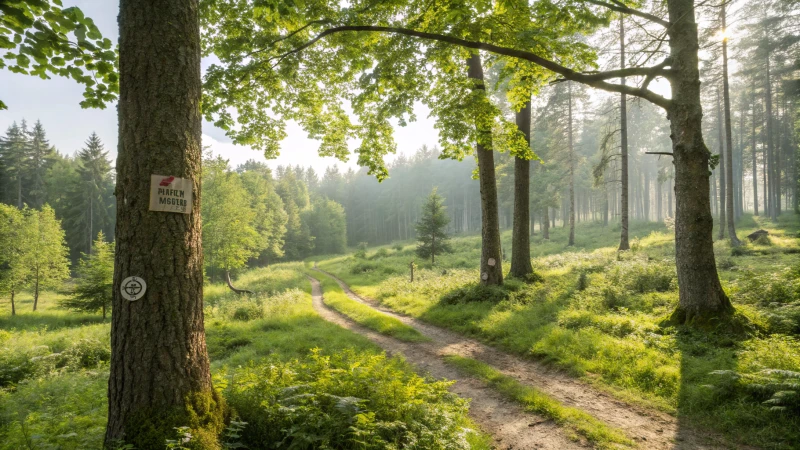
point(726, 96)
point(160, 376)
point(624, 243)
point(701, 298)
point(521, 240)
point(491, 260)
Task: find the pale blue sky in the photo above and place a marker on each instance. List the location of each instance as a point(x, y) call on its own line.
point(56, 103)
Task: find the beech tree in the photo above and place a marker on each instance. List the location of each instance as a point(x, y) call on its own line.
point(14, 237)
point(40, 38)
point(229, 234)
point(45, 251)
point(701, 298)
point(160, 377)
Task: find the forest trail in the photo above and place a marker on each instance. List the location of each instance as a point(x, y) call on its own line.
point(511, 426)
point(650, 429)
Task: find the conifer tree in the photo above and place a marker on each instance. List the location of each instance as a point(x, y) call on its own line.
point(95, 279)
point(14, 152)
point(90, 196)
point(431, 228)
point(40, 157)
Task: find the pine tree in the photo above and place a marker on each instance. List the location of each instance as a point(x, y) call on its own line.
point(40, 157)
point(95, 279)
point(431, 234)
point(90, 197)
point(14, 152)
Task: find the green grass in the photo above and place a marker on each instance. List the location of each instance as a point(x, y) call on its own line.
point(598, 316)
point(336, 298)
point(60, 401)
point(580, 422)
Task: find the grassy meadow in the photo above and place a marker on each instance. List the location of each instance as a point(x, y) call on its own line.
point(595, 313)
point(269, 354)
point(601, 315)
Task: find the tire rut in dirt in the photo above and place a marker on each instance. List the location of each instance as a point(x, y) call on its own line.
point(510, 425)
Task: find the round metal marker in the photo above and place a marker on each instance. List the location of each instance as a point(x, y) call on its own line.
point(133, 288)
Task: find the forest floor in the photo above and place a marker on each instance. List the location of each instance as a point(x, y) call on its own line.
point(580, 358)
point(507, 420)
point(595, 322)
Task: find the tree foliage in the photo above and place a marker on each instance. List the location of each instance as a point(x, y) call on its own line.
point(40, 38)
point(94, 279)
point(431, 228)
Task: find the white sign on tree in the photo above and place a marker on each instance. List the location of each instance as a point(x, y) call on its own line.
point(170, 194)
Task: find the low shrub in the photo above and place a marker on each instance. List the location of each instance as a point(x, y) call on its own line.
point(398, 247)
point(763, 240)
point(778, 286)
point(39, 361)
point(361, 250)
point(363, 267)
point(642, 276)
point(380, 253)
point(475, 293)
point(345, 401)
point(247, 311)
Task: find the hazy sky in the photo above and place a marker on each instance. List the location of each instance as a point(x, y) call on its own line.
point(56, 103)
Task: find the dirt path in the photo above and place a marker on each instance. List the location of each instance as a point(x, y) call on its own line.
point(507, 422)
point(651, 429)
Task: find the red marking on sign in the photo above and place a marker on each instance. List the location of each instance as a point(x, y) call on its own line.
point(167, 181)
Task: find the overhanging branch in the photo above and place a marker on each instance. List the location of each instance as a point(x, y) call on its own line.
point(621, 8)
point(595, 79)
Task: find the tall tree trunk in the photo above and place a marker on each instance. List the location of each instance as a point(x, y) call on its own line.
point(726, 95)
point(701, 298)
point(771, 204)
point(13, 304)
point(91, 223)
point(521, 239)
point(721, 172)
point(659, 200)
point(755, 162)
point(646, 194)
point(624, 243)
point(36, 291)
point(546, 223)
point(160, 377)
point(571, 168)
point(491, 260)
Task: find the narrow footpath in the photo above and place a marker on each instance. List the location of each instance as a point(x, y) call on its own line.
point(513, 427)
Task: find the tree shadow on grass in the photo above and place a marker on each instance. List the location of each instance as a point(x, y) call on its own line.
point(30, 321)
point(711, 398)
